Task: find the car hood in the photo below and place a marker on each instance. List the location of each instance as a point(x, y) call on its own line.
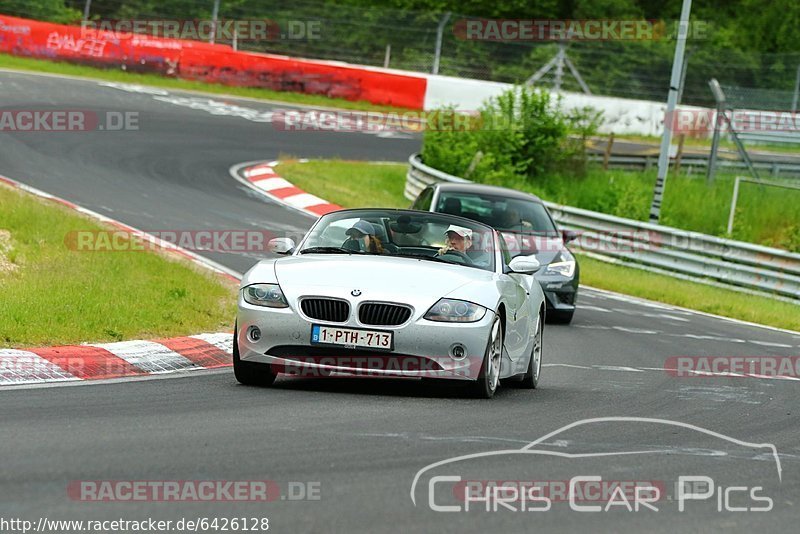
point(419, 283)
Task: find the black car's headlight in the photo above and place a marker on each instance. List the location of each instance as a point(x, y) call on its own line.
point(455, 311)
point(564, 268)
point(269, 295)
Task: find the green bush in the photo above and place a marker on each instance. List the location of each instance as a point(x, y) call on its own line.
point(49, 10)
point(523, 133)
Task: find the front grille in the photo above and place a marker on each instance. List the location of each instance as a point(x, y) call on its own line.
point(374, 313)
point(334, 311)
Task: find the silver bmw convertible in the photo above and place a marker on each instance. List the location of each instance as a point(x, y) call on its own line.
point(381, 292)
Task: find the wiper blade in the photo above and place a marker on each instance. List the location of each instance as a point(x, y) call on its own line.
point(329, 250)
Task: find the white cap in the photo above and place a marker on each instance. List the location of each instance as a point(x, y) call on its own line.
point(460, 230)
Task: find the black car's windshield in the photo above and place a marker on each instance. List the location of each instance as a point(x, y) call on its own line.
point(503, 213)
point(405, 234)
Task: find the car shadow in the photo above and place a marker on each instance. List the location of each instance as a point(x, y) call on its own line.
point(389, 387)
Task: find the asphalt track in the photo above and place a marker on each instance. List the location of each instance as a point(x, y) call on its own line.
point(364, 441)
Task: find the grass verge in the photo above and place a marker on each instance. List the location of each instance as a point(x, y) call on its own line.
point(358, 184)
point(687, 294)
point(352, 184)
point(52, 295)
point(153, 80)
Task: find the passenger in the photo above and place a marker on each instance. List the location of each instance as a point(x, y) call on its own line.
point(362, 238)
point(452, 206)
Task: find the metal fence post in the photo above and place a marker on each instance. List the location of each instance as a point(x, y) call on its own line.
point(214, 17)
point(734, 200)
point(679, 154)
point(439, 35)
point(388, 56)
point(609, 148)
point(683, 74)
point(87, 9)
point(796, 90)
point(719, 96)
point(712, 158)
point(672, 99)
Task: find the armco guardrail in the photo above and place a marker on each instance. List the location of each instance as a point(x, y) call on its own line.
point(773, 168)
point(660, 248)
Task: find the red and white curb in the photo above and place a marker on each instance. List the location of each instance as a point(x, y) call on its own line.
point(263, 178)
point(115, 360)
point(124, 359)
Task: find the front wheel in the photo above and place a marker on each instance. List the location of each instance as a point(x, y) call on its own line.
point(489, 376)
point(530, 379)
point(250, 373)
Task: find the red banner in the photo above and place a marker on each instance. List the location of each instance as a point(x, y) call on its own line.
point(195, 60)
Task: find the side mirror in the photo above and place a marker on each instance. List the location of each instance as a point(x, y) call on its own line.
point(524, 265)
point(569, 235)
point(281, 245)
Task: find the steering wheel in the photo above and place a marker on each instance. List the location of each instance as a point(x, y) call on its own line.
point(352, 244)
point(466, 260)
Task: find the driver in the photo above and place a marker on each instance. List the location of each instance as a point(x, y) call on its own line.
point(457, 239)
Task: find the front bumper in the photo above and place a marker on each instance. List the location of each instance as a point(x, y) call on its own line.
point(421, 347)
point(560, 292)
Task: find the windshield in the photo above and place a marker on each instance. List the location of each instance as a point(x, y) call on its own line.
point(406, 234)
point(502, 213)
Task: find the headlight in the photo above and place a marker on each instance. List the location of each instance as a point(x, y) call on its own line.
point(269, 295)
point(455, 311)
point(564, 268)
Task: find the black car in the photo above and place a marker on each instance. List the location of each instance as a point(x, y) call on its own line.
point(528, 228)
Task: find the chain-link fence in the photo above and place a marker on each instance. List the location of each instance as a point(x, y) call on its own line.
point(764, 99)
point(408, 40)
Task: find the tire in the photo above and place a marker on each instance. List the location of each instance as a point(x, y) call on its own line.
point(489, 376)
point(560, 317)
point(530, 380)
point(250, 373)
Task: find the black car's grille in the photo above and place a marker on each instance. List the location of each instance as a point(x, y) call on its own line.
point(335, 311)
point(566, 298)
point(374, 313)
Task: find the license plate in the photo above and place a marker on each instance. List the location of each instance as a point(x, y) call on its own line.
point(352, 337)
